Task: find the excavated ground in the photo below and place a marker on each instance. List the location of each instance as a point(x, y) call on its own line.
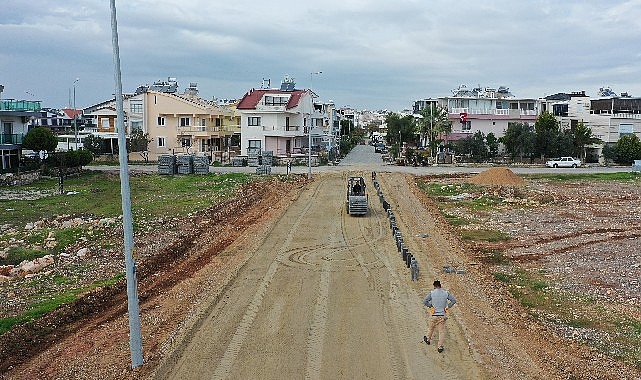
point(583, 236)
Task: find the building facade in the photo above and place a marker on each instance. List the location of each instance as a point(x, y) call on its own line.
point(279, 120)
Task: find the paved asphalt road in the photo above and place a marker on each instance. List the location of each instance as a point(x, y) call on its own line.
point(363, 158)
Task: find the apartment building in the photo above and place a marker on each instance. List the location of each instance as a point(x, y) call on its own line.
point(487, 110)
point(279, 120)
point(608, 115)
point(175, 123)
point(16, 119)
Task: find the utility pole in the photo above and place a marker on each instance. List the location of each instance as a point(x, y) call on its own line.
point(135, 336)
point(75, 116)
point(311, 111)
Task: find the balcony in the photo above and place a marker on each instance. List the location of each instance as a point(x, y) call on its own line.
point(11, 138)
point(204, 131)
point(283, 130)
point(493, 112)
point(19, 105)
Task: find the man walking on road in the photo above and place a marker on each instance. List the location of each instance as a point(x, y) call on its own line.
point(437, 301)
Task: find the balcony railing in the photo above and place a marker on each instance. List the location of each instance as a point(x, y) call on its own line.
point(490, 111)
point(199, 129)
point(6, 138)
point(19, 105)
point(283, 130)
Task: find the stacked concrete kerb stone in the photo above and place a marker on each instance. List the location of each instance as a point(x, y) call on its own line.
point(266, 160)
point(185, 164)
point(167, 164)
point(253, 157)
point(405, 253)
point(201, 164)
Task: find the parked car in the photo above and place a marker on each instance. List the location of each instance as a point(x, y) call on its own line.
point(563, 162)
point(379, 148)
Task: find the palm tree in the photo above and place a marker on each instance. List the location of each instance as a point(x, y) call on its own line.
point(432, 125)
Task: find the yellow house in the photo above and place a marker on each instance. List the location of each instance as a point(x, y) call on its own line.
point(175, 123)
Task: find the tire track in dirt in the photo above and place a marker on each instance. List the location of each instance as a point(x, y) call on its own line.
point(224, 367)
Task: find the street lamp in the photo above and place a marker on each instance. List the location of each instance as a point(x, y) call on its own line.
point(309, 143)
point(75, 123)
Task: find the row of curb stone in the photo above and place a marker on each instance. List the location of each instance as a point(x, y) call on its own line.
point(404, 251)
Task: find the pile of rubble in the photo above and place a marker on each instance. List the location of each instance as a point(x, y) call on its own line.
point(499, 176)
point(25, 269)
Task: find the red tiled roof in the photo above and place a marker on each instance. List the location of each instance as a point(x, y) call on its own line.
point(70, 112)
point(253, 97)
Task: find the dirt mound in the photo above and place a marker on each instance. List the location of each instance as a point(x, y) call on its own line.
point(498, 177)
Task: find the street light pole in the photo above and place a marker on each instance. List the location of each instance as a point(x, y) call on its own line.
point(75, 122)
point(309, 143)
point(133, 306)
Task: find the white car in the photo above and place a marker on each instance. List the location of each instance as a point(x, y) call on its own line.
point(563, 162)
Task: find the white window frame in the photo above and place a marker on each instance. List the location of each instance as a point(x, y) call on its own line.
point(253, 121)
point(161, 141)
point(185, 121)
point(136, 107)
point(254, 144)
point(161, 121)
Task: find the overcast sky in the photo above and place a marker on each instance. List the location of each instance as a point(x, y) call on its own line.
point(375, 54)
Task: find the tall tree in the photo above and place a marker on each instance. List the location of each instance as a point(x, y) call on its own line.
point(582, 136)
point(399, 129)
point(39, 139)
point(492, 143)
point(627, 149)
point(548, 135)
point(432, 125)
point(518, 140)
point(473, 147)
point(94, 144)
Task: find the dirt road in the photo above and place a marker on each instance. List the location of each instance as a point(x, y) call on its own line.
point(325, 296)
point(280, 283)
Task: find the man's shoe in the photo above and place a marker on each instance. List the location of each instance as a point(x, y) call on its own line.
point(427, 341)
point(440, 349)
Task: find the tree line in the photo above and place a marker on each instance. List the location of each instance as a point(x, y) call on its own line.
point(521, 142)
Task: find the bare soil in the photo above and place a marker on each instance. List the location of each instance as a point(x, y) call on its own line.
point(281, 283)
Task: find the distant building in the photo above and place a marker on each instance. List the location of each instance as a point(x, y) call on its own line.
point(608, 115)
point(17, 117)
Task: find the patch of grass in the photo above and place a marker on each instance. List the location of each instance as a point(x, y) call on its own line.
point(562, 177)
point(51, 303)
point(68, 236)
point(484, 235)
point(20, 254)
point(37, 310)
point(441, 190)
point(495, 257)
point(483, 203)
point(98, 193)
point(456, 220)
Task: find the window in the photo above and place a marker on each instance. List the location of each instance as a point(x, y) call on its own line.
point(104, 123)
point(254, 144)
point(466, 125)
point(253, 121)
point(162, 142)
point(161, 121)
point(136, 126)
point(185, 141)
point(136, 107)
point(185, 121)
point(203, 122)
point(219, 122)
point(276, 100)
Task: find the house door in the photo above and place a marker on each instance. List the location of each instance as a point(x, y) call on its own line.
point(7, 131)
point(288, 146)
